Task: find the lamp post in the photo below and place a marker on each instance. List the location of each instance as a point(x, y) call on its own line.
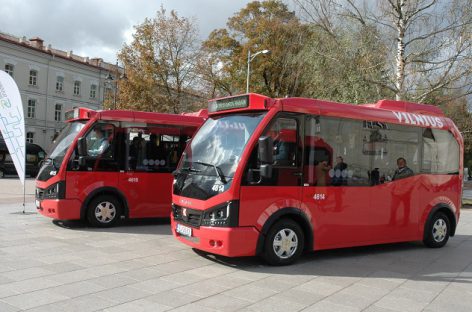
point(250, 58)
point(109, 81)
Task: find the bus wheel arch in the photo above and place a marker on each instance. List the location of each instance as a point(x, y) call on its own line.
point(447, 210)
point(105, 191)
point(439, 226)
point(294, 214)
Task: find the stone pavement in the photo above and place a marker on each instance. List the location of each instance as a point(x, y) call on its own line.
point(46, 266)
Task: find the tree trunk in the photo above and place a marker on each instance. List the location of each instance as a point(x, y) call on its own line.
point(400, 57)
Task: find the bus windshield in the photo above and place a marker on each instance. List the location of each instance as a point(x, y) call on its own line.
point(213, 155)
point(59, 148)
point(64, 141)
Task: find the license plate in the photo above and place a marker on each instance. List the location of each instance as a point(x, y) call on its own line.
point(183, 230)
point(38, 203)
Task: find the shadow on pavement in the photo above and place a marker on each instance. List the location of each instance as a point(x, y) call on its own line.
point(399, 260)
point(159, 226)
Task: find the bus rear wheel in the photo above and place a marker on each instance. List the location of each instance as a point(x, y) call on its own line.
point(103, 211)
point(437, 231)
point(284, 243)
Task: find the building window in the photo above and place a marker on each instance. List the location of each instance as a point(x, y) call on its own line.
point(59, 83)
point(31, 113)
point(93, 91)
point(9, 69)
point(76, 87)
point(58, 112)
point(33, 78)
point(29, 137)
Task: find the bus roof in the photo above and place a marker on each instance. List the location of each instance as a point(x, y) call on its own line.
point(186, 119)
point(400, 112)
point(148, 117)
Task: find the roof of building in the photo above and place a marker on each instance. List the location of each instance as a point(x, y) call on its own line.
point(37, 44)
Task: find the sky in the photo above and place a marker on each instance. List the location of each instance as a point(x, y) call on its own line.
point(98, 28)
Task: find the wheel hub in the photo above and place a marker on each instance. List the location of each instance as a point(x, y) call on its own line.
point(439, 230)
point(285, 243)
point(105, 212)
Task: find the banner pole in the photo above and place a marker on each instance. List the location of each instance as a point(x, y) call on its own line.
point(24, 194)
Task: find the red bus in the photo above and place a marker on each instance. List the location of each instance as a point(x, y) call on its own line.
point(106, 165)
point(275, 177)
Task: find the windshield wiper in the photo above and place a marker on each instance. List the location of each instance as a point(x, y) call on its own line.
point(186, 169)
point(218, 170)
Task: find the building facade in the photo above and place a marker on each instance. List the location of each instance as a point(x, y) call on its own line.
point(52, 82)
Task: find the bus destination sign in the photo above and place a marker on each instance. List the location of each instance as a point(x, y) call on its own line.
point(228, 103)
point(72, 114)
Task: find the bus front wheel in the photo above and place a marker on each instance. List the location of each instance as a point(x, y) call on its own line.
point(284, 243)
point(437, 231)
point(103, 211)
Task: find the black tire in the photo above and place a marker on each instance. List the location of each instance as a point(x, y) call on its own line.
point(437, 230)
point(290, 254)
point(2, 174)
point(111, 209)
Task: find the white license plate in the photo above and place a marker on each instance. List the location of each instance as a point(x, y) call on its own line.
point(38, 203)
point(183, 230)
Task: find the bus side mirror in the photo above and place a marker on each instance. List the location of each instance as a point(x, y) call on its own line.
point(81, 161)
point(82, 147)
point(266, 171)
point(266, 150)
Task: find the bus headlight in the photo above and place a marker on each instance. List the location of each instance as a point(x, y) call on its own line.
point(226, 215)
point(55, 191)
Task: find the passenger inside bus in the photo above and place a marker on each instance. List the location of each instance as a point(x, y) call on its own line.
point(100, 144)
point(339, 174)
point(322, 173)
point(403, 171)
point(285, 147)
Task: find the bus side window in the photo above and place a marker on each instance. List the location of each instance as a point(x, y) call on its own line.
point(333, 153)
point(386, 143)
point(155, 148)
point(101, 148)
point(285, 134)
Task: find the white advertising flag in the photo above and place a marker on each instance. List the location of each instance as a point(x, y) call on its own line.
point(12, 122)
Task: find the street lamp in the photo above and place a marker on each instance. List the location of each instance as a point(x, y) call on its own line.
point(109, 81)
point(249, 60)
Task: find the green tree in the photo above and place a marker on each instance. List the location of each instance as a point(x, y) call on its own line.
point(343, 63)
point(427, 43)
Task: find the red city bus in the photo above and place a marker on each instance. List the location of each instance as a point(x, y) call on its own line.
point(108, 164)
point(275, 177)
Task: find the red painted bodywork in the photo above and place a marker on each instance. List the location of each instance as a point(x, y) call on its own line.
point(348, 216)
point(151, 197)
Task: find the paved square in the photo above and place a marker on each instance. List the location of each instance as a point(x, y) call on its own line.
point(46, 266)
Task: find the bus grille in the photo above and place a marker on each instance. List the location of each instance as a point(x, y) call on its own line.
point(192, 217)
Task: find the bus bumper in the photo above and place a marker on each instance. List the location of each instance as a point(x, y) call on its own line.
point(61, 209)
point(228, 242)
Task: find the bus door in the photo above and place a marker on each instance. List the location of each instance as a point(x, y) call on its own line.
point(336, 187)
point(102, 162)
point(283, 189)
point(396, 195)
point(153, 152)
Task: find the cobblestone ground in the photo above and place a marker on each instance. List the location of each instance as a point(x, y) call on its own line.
point(46, 266)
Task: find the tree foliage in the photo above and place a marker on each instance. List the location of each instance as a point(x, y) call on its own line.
point(160, 64)
point(259, 26)
point(427, 45)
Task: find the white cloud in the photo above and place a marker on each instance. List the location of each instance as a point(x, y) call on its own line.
point(99, 28)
